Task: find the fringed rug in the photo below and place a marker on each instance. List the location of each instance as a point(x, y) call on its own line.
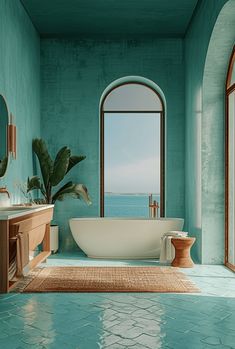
point(107, 279)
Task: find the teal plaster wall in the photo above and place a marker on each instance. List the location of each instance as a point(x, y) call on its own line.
point(20, 84)
point(75, 72)
point(213, 106)
point(204, 123)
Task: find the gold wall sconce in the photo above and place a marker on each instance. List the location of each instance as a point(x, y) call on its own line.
point(12, 138)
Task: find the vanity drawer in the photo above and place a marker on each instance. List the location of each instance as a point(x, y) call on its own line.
point(30, 223)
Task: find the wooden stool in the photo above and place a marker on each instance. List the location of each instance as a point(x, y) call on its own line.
point(182, 252)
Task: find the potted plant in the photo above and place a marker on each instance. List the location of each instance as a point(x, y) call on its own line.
point(53, 172)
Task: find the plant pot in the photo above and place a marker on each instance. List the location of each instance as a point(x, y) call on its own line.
point(54, 238)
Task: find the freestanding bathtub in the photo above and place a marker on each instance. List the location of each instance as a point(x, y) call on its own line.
point(122, 238)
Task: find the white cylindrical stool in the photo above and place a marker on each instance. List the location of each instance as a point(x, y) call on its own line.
point(54, 238)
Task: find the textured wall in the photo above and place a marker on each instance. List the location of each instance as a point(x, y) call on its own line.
point(74, 75)
point(213, 97)
point(204, 136)
point(20, 84)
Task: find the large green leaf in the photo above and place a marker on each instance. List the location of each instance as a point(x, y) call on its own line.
point(60, 167)
point(46, 164)
point(61, 190)
point(33, 183)
point(75, 190)
point(74, 160)
point(82, 191)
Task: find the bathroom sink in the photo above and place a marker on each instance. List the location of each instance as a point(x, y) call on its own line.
point(16, 208)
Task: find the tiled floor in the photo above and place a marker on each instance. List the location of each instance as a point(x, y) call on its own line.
point(118, 321)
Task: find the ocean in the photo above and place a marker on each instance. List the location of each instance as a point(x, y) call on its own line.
point(127, 205)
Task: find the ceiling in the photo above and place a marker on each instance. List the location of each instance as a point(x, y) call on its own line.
point(110, 17)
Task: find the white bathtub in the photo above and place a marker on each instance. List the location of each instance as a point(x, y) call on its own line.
point(122, 238)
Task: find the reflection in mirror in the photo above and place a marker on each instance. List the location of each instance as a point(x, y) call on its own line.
point(4, 120)
point(3, 166)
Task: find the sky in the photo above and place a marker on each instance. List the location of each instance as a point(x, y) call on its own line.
point(132, 152)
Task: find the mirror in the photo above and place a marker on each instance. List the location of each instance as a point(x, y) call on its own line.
point(4, 121)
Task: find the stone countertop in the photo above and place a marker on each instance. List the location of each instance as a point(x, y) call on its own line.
point(7, 213)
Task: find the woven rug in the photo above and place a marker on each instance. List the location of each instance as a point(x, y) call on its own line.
point(107, 279)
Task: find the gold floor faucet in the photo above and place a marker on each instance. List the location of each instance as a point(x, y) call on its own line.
point(153, 207)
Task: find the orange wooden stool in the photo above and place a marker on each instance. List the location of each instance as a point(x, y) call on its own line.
point(182, 252)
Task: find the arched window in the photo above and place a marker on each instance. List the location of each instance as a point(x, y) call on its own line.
point(230, 166)
point(132, 150)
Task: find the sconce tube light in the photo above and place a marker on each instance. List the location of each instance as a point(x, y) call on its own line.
point(12, 138)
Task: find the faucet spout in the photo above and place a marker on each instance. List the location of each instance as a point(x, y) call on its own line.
point(4, 190)
point(150, 205)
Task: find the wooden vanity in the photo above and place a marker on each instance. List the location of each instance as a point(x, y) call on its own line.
point(34, 221)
